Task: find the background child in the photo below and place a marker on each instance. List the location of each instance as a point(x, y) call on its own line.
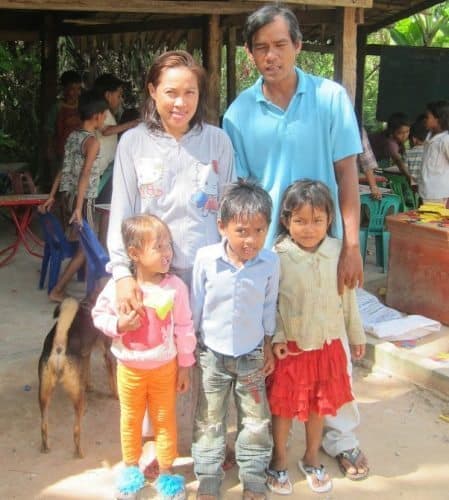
point(366, 161)
point(67, 117)
point(314, 322)
point(418, 134)
point(78, 180)
point(389, 144)
point(234, 291)
point(111, 88)
point(434, 185)
point(154, 351)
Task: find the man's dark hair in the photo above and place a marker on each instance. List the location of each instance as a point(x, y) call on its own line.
point(244, 198)
point(107, 83)
point(266, 15)
point(396, 121)
point(70, 77)
point(91, 103)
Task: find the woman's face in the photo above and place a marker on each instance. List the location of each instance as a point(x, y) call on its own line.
point(176, 97)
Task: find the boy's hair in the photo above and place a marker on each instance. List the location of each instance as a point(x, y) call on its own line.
point(418, 129)
point(396, 121)
point(90, 103)
point(242, 199)
point(107, 83)
point(440, 110)
point(305, 192)
point(139, 229)
point(174, 59)
point(70, 77)
point(266, 15)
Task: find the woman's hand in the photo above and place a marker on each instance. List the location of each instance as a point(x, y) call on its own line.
point(128, 322)
point(129, 296)
point(358, 351)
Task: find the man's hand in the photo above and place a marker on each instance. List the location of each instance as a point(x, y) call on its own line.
point(183, 379)
point(268, 356)
point(358, 351)
point(350, 268)
point(129, 296)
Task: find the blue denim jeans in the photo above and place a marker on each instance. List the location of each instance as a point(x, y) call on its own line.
point(243, 375)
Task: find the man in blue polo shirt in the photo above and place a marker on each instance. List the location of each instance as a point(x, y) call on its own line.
point(291, 125)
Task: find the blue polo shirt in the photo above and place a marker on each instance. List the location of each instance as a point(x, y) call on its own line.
point(234, 307)
point(277, 146)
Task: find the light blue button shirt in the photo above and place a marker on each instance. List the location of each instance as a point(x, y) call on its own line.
point(234, 307)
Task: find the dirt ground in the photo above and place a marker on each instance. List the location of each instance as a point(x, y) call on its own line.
point(401, 432)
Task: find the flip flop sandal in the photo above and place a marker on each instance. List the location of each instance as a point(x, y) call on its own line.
point(319, 473)
point(351, 456)
point(278, 482)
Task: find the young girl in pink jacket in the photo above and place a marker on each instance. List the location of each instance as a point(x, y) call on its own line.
point(154, 352)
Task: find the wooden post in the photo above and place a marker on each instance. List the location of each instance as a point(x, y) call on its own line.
point(345, 58)
point(212, 62)
point(47, 92)
point(360, 82)
point(231, 87)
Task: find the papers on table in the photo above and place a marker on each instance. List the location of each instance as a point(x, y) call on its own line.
point(389, 324)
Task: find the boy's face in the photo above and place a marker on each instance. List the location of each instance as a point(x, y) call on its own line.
point(246, 237)
point(400, 135)
point(72, 93)
point(114, 98)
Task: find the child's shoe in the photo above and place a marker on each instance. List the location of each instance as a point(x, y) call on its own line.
point(171, 487)
point(130, 481)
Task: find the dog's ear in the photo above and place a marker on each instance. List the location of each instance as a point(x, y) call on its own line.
point(57, 311)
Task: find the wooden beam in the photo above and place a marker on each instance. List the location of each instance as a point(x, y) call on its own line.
point(345, 59)
point(305, 18)
point(47, 91)
point(402, 14)
point(231, 44)
point(213, 65)
point(160, 24)
point(25, 36)
point(165, 7)
point(360, 81)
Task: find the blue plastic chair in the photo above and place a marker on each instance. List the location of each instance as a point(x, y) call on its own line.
point(96, 256)
point(57, 248)
point(377, 211)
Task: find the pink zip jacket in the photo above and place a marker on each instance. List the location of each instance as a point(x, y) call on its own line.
point(166, 330)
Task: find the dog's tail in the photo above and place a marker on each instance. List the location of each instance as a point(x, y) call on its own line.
point(67, 312)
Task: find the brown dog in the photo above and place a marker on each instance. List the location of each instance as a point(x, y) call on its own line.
point(65, 358)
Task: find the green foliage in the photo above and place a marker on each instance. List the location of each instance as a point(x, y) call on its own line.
point(19, 99)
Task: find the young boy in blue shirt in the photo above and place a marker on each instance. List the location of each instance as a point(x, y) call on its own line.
point(234, 291)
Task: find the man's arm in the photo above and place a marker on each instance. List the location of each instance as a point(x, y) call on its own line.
point(350, 266)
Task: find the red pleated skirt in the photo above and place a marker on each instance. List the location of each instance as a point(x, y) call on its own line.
point(310, 381)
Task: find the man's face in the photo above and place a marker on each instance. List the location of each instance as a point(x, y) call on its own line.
point(273, 52)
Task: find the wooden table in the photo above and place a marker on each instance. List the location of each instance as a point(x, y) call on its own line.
point(20, 207)
point(418, 267)
point(103, 210)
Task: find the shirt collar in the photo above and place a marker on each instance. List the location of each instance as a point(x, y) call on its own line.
point(437, 136)
point(301, 86)
point(261, 256)
point(287, 245)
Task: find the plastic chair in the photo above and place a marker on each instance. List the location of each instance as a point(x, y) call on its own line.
point(96, 256)
point(400, 186)
point(377, 211)
point(57, 248)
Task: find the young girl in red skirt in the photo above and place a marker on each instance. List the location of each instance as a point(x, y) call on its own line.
point(314, 324)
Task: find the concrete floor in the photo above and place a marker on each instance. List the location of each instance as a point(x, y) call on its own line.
point(401, 432)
